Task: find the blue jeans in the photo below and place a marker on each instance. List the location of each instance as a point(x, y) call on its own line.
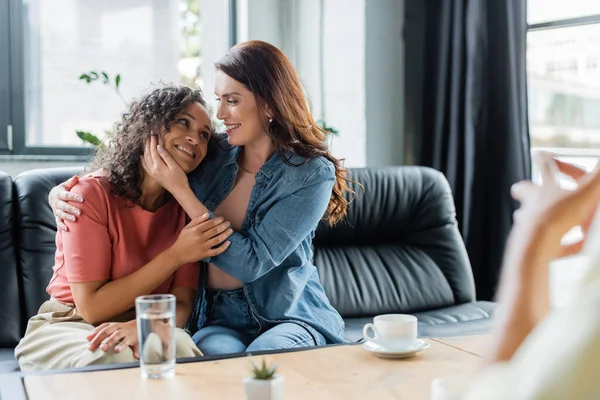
point(232, 326)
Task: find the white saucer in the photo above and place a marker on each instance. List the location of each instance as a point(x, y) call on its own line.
point(376, 349)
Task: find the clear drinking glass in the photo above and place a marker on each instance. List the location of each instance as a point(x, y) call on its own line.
point(155, 316)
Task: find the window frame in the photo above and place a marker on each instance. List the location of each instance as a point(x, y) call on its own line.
point(17, 93)
point(5, 89)
point(12, 85)
point(564, 23)
point(232, 20)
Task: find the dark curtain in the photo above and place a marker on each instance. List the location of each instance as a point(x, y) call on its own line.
point(471, 103)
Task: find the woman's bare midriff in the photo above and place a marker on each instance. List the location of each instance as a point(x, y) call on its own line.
point(233, 209)
point(217, 279)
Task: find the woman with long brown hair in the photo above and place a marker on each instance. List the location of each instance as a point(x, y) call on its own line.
point(273, 178)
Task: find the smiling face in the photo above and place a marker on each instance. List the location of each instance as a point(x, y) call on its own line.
point(239, 111)
point(188, 136)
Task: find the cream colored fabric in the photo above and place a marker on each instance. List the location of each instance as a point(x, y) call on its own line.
point(57, 338)
point(559, 360)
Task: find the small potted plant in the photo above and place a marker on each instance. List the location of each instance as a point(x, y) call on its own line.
point(264, 384)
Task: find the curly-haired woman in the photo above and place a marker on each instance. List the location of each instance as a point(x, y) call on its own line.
point(131, 240)
point(272, 176)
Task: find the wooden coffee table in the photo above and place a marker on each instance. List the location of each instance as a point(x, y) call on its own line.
point(336, 372)
point(476, 345)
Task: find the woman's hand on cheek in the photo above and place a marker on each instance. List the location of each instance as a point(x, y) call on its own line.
point(159, 164)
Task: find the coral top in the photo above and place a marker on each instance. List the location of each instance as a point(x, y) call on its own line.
point(113, 238)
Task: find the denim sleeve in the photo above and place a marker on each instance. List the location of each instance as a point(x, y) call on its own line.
point(284, 227)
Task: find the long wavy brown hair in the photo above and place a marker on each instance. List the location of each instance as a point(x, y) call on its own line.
point(150, 115)
point(270, 76)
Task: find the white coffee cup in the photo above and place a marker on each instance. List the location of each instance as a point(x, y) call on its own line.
point(392, 331)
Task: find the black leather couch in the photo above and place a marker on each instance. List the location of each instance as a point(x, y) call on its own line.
point(399, 251)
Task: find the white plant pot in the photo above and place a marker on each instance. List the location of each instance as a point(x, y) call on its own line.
point(260, 389)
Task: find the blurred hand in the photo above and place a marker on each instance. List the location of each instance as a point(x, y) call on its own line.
point(547, 212)
point(555, 210)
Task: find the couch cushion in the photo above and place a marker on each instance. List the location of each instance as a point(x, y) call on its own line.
point(10, 312)
point(7, 361)
point(399, 249)
point(37, 232)
point(465, 319)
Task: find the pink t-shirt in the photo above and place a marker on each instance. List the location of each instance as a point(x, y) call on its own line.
point(114, 238)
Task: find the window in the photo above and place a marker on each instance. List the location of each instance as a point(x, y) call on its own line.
point(542, 11)
point(75, 65)
point(564, 79)
point(563, 49)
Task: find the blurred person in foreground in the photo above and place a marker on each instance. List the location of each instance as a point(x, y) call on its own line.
point(536, 352)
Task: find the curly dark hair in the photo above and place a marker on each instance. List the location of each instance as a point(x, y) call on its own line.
point(150, 115)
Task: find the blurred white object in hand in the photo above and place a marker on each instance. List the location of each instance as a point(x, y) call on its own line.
point(451, 387)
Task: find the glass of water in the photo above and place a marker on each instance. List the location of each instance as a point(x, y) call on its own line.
point(156, 335)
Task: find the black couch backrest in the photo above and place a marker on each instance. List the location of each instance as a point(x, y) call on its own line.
point(37, 232)
point(10, 315)
point(399, 248)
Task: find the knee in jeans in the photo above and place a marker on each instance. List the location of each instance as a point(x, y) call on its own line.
point(219, 340)
point(284, 336)
point(275, 342)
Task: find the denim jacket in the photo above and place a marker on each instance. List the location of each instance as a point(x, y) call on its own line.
point(272, 254)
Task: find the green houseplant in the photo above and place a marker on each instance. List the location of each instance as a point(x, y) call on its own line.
point(323, 125)
point(265, 383)
point(114, 82)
